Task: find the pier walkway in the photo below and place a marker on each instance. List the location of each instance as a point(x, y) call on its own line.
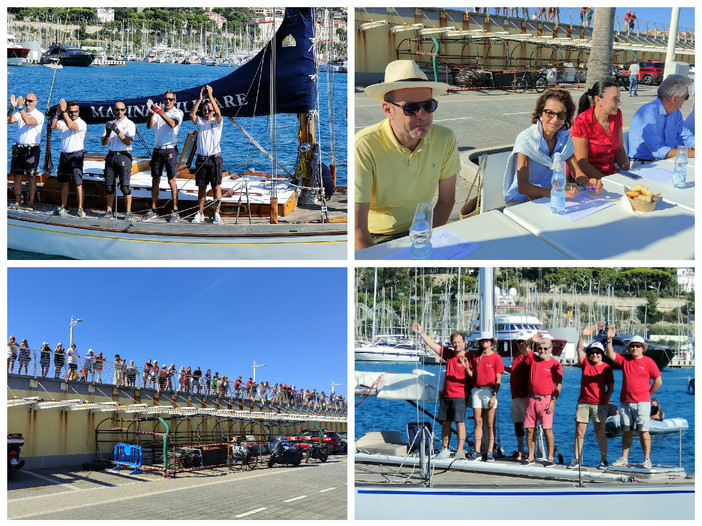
point(307, 492)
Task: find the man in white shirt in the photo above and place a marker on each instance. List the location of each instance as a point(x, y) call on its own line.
point(208, 165)
point(167, 121)
point(118, 137)
point(634, 70)
point(26, 151)
point(67, 120)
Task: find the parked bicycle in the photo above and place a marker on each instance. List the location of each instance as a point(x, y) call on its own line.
point(529, 80)
point(243, 457)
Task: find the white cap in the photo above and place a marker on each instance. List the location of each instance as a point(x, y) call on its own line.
point(486, 335)
point(523, 335)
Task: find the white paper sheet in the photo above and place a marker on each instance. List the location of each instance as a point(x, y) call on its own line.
point(654, 173)
point(583, 205)
point(447, 245)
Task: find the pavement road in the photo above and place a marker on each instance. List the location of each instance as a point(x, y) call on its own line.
point(307, 492)
point(491, 120)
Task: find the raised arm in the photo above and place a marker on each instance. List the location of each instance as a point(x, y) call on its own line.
point(416, 327)
point(218, 113)
point(609, 348)
point(193, 112)
point(587, 331)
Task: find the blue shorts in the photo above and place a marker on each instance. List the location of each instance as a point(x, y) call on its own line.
point(164, 158)
point(118, 165)
point(70, 168)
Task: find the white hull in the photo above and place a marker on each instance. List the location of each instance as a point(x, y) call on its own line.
point(95, 238)
point(386, 353)
point(531, 501)
point(16, 61)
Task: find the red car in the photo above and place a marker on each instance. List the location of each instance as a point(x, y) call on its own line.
point(650, 72)
point(331, 439)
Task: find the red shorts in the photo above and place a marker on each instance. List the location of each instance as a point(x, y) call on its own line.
point(536, 410)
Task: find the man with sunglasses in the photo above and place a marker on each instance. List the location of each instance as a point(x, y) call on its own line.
point(640, 379)
point(658, 128)
point(167, 121)
point(208, 164)
point(401, 161)
point(545, 381)
point(596, 386)
point(26, 151)
point(67, 120)
point(118, 137)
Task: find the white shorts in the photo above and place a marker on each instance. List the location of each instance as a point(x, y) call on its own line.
point(518, 409)
point(481, 397)
point(636, 413)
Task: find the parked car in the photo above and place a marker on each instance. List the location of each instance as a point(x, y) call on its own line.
point(651, 72)
point(331, 439)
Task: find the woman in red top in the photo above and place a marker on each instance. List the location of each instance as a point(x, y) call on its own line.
point(597, 133)
point(485, 367)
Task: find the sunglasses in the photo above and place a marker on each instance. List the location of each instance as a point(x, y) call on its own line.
point(205, 110)
point(636, 345)
point(29, 101)
point(411, 109)
point(560, 114)
point(544, 348)
point(169, 98)
point(594, 352)
point(74, 112)
point(120, 109)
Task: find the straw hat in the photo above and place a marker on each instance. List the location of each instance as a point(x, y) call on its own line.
point(401, 74)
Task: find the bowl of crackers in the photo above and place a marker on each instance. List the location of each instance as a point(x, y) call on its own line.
point(641, 198)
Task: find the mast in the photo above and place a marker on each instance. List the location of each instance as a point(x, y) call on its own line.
point(273, 110)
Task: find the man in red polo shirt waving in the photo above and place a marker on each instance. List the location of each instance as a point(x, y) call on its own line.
point(452, 407)
point(545, 380)
point(637, 372)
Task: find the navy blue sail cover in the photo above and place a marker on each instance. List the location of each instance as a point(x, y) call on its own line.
point(246, 91)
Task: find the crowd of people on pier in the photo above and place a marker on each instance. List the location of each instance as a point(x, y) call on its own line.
point(541, 14)
point(118, 136)
point(406, 159)
point(536, 380)
point(71, 366)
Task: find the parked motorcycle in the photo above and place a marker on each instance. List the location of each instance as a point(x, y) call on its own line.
point(285, 452)
point(14, 442)
point(318, 452)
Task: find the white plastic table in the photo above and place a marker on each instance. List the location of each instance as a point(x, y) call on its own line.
point(616, 232)
point(684, 197)
point(499, 238)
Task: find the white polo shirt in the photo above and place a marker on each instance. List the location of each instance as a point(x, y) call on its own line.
point(72, 140)
point(29, 133)
point(209, 134)
point(114, 143)
point(165, 135)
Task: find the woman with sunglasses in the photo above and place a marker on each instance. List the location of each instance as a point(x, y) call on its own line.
point(597, 133)
point(530, 165)
point(596, 386)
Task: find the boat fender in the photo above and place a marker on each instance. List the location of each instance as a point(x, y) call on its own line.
point(125, 189)
point(327, 181)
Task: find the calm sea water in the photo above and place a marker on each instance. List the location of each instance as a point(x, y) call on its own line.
point(140, 79)
point(373, 414)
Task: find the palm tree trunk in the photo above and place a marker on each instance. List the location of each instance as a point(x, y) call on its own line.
point(599, 67)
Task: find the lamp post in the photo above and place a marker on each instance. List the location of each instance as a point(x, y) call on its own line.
point(254, 369)
point(333, 384)
point(73, 324)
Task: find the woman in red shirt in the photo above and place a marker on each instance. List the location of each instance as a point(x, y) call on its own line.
point(597, 132)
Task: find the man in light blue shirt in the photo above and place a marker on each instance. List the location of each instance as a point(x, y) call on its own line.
point(658, 128)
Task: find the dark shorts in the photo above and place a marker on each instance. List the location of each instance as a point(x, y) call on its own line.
point(167, 158)
point(58, 360)
point(70, 168)
point(25, 160)
point(208, 170)
point(73, 366)
point(118, 165)
point(452, 409)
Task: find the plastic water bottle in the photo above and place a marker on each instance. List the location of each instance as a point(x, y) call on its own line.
point(558, 182)
point(420, 236)
point(680, 171)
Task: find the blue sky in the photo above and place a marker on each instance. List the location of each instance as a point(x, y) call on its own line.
point(292, 319)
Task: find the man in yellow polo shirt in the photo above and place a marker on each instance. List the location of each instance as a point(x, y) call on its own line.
point(402, 160)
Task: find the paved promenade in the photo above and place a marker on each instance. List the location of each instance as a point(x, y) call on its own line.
point(491, 120)
point(307, 492)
